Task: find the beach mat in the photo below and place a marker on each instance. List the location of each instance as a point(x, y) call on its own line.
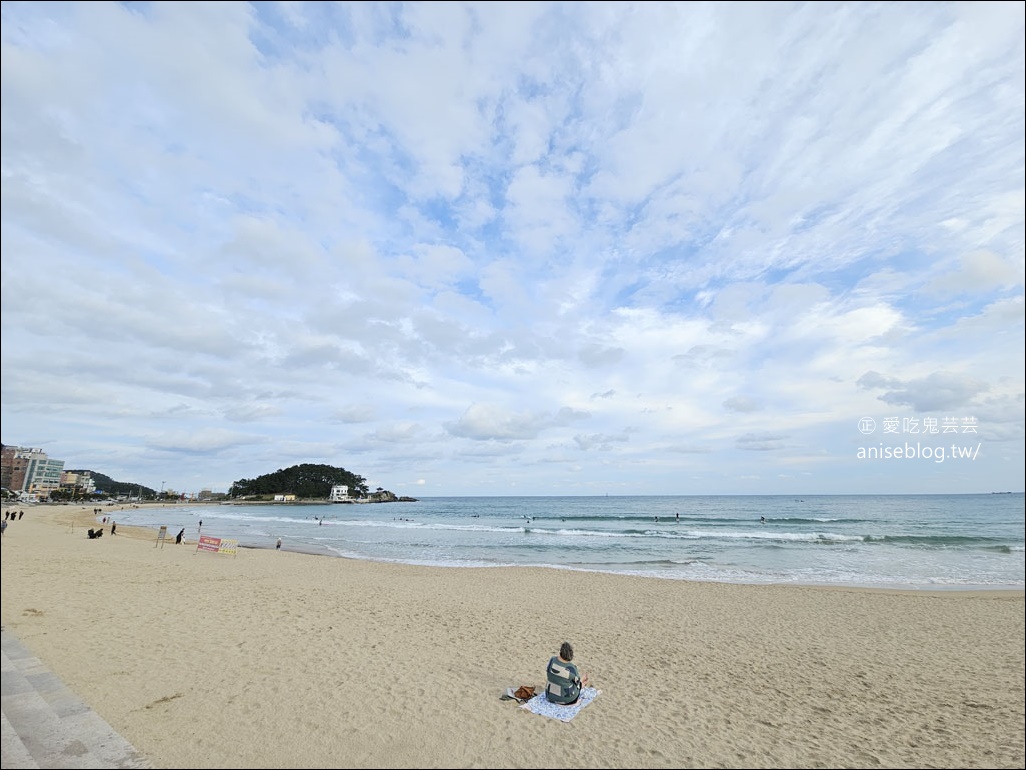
point(539, 704)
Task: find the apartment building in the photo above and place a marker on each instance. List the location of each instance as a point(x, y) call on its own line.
point(30, 471)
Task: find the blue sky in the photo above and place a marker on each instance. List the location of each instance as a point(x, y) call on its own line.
point(517, 248)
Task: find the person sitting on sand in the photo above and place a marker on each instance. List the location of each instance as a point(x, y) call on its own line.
point(564, 680)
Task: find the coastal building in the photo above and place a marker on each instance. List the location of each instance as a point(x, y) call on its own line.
point(284, 498)
point(80, 483)
point(339, 494)
point(30, 471)
point(7, 466)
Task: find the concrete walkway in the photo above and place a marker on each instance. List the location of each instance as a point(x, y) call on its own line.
point(46, 726)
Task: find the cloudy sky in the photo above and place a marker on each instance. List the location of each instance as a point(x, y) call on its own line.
point(523, 248)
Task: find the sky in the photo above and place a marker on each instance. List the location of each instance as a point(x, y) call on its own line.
point(518, 248)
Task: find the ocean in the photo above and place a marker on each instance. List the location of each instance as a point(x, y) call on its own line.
point(885, 541)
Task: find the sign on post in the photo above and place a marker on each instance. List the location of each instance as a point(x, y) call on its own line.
point(161, 535)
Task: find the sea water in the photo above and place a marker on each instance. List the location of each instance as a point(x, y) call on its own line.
point(892, 541)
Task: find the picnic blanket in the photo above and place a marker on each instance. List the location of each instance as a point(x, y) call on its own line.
point(539, 704)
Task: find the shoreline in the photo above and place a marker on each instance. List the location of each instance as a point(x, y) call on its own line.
point(313, 550)
point(286, 659)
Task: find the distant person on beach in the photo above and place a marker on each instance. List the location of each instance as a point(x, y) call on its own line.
point(20, 514)
point(179, 536)
point(113, 528)
point(3, 526)
point(564, 680)
point(277, 546)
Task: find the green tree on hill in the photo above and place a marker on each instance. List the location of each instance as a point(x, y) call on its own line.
point(304, 481)
point(112, 488)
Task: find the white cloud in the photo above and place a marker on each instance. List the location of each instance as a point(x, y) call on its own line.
point(456, 242)
point(937, 392)
point(980, 271)
point(741, 404)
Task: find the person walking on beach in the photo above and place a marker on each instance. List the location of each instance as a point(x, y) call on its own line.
point(277, 546)
point(564, 681)
point(179, 536)
point(113, 528)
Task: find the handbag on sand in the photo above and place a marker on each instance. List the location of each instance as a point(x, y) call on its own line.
point(524, 693)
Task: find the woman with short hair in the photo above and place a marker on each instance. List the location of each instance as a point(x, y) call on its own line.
point(564, 679)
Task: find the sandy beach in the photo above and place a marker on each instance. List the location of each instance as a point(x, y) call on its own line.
point(283, 659)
